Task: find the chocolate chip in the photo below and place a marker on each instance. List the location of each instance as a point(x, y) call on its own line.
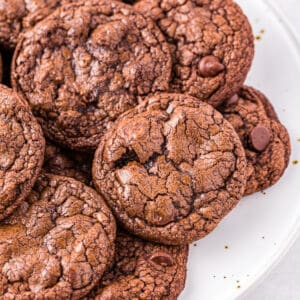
point(233, 100)
point(210, 66)
point(260, 137)
point(162, 259)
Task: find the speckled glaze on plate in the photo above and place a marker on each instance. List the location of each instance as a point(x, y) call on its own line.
point(247, 244)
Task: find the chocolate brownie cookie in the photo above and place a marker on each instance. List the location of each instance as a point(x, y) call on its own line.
point(21, 150)
point(58, 244)
point(17, 16)
point(93, 62)
point(211, 41)
point(265, 139)
point(143, 270)
point(68, 163)
point(170, 169)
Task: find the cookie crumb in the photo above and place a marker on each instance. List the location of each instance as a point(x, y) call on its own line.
point(259, 36)
point(237, 281)
point(238, 287)
point(298, 140)
point(214, 276)
point(226, 247)
point(295, 162)
point(263, 192)
point(225, 277)
point(195, 245)
point(263, 237)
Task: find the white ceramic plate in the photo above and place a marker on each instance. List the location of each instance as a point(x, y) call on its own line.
point(263, 226)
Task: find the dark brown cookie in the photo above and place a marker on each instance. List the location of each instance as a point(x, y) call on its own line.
point(265, 139)
point(143, 270)
point(94, 60)
point(211, 41)
point(68, 163)
point(58, 244)
point(18, 15)
point(170, 169)
point(22, 148)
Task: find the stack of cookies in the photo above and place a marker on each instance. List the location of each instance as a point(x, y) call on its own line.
point(126, 134)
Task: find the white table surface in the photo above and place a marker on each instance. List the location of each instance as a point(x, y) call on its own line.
point(283, 282)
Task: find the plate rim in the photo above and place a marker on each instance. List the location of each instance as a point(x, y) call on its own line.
point(295, 234)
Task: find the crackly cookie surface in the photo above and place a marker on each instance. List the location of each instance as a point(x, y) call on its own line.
point(17, 16)
point(21, 150)
point(85, 65)
point(58, 244)
point(68, 163)
point(170, 169)
point(211, 42)
point(143, 270)
point(265, 139)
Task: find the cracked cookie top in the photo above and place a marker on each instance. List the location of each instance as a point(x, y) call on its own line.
point(143, 270)
point(17, 16)
point(58, 244)
point(68, 163)
point(265, 139)
point(170, 169)
point(211, 42)
point(22, 147)
point(87, 63)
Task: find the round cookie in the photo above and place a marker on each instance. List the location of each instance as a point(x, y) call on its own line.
point(67, 163)
point(58, 244)
point(21, 150)
point(211, 42)
point(170, 169)
point(143, 270)
point(265, 139)
point(17, 16)
point(94, 60)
